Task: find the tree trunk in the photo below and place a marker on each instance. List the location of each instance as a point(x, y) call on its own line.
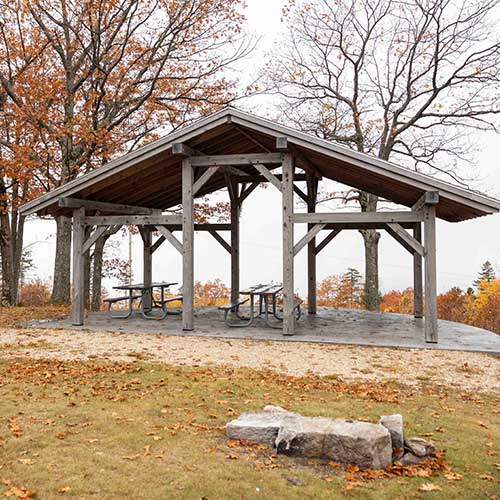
point(6, 257)
point(371, 237)
point(11, 249)
point(371, 296)
point(97, 260)
point(17, 252)
point(62, 265)
point(86, 273)
point(98, 256)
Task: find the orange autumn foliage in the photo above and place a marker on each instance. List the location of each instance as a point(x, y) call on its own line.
point(398, 302)
point(481, 308)
point(341, 290)
point(484, 310)
point(211, 293)
point(84, 81)
point(35, 293)
point(451, 305)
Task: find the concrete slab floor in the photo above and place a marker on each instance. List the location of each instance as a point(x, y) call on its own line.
point(330, 326)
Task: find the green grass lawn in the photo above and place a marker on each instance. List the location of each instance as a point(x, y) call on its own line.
point(115, 431)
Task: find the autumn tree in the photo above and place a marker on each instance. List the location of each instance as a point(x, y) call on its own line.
point(84, 81)
point(451, 305)
point(211, 293)
point(484, 310)
point(350, 293)
point(405, 80)
point(486, 275)
point(397, 301)
point(327, 291)
point(342, 290)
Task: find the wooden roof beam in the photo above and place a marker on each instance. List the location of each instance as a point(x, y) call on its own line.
point(102, 206)
point(131, 220)
point(236, 159)
point(261, 178)
point(358, 218)
point(253, 139)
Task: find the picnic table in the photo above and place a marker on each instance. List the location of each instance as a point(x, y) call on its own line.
point(147, 299)
point(266, 295)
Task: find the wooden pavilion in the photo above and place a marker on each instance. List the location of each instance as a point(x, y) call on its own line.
point(239, 151)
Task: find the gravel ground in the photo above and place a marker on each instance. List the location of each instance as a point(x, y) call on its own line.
point(459, 370)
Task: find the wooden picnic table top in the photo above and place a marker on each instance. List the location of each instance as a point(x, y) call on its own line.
point(269, 289)
point(143, 286)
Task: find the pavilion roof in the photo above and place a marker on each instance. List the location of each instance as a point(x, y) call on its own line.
point(150, 176)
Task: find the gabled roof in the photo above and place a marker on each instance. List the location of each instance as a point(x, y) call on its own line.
point(151, 176)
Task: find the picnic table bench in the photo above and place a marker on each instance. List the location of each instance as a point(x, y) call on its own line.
point(148, 301)
point(267, 299)
point(116, 300)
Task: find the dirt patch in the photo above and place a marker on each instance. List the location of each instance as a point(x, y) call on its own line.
point(454, 369)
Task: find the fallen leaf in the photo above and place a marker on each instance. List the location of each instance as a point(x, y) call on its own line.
point(26, 461)
point(430, 487)
point(453, 476)
point(488, 477)
point(21, 493)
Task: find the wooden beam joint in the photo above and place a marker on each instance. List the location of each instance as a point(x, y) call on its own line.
point(428, 198)
point(181, 149)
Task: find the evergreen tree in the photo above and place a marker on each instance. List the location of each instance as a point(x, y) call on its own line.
point(351, 288)
point(486, 275)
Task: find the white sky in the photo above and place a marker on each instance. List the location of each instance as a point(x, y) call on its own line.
point(462, 248)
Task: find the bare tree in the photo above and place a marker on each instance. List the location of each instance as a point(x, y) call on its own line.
point(408, 80)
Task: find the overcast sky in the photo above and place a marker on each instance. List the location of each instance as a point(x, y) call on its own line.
point(462, 248)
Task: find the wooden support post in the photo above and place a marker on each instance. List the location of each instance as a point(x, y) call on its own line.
point(431, 324)
point(147, 262)
point(418, 298)
point(78, 285)
point(312, 193)
point(187, 246)
point(287, 196)
point(235, 240)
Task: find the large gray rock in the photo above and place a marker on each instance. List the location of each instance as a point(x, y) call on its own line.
point(411, 459)
point(345, 441)
point(420, 447)
point(394, 423)
point(258, 427)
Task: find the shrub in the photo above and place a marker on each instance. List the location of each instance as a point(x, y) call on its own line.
point(34, 293)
